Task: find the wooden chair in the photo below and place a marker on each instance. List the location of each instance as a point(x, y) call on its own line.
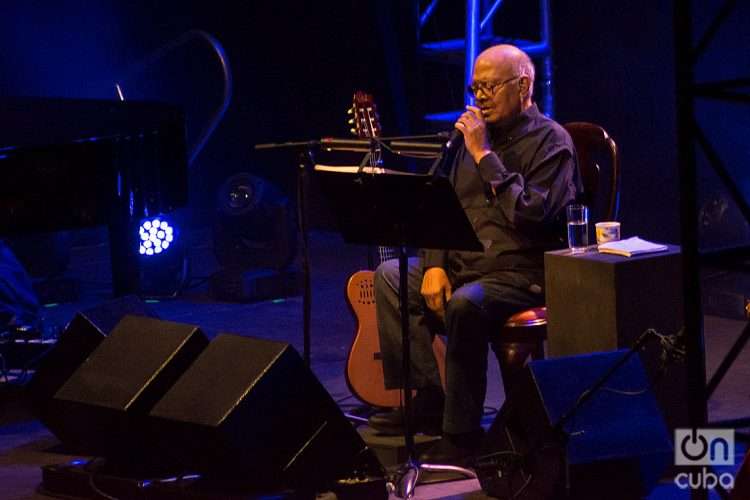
point(524, 333)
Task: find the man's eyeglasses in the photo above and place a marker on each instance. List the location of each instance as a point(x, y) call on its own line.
point(488, 88)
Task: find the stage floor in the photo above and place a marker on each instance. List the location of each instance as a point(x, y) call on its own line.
point(25, 445)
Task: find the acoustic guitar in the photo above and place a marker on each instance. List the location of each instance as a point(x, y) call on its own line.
point(364, 366)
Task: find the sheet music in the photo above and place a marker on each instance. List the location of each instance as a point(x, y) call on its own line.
point(353, 169)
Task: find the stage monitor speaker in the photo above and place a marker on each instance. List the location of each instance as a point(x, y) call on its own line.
point(102, 408)
point(78, 340)
point(250, 410)
point(615, 446)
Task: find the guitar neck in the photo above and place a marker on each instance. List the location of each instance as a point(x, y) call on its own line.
point(367, 126)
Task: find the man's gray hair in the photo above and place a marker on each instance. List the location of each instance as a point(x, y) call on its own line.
point(526, 68)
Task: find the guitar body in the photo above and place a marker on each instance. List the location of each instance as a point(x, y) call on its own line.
point(364, 366)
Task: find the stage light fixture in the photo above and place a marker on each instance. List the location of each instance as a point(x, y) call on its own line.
point(255, 225)
point(255, 241)
point(155, 236)
point(162, 263)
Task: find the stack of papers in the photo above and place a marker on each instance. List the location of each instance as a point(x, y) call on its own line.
point(631, 246)
point(353, 169)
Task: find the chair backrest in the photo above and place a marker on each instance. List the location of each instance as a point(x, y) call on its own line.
point(593, 144)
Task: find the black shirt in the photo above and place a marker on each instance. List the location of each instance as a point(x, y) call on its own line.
point(534, 173)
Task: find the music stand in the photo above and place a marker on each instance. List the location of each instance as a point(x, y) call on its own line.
point(401, 210)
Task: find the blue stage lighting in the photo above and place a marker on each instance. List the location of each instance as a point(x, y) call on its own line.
point(155, 235)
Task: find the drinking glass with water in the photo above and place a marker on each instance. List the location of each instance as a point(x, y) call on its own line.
point(578, 228)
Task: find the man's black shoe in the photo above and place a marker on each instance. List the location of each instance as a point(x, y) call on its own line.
point(454, 449)
point(391, 423)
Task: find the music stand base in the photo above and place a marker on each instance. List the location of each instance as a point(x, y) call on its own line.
point(411, 474)
point(391, 450)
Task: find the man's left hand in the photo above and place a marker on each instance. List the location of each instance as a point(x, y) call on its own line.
point(472, 126)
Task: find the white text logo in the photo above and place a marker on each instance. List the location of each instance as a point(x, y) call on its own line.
point(704, 447)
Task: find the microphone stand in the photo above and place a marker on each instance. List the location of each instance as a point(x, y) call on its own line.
point(305, 162)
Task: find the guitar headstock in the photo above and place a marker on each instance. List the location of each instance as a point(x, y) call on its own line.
point(365, 115)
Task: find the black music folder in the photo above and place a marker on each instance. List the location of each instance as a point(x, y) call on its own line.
point(398, 209)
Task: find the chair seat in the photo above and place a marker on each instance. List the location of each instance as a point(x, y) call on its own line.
point(601, 190)
point(536, 316)
point(522, 335)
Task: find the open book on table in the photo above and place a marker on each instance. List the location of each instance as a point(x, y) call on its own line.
point(631, 246)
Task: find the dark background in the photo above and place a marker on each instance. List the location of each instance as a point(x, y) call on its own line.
point(296, 65)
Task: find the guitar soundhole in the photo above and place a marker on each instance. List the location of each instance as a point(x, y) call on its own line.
point(366, 292)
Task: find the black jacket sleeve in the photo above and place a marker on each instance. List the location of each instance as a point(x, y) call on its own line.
point(537, 195)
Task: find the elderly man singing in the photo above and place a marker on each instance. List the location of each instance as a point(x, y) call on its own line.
point(514, 175)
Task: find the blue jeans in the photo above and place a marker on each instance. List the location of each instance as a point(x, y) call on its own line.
point(476, 311)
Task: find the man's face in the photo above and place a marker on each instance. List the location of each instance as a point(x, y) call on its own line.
point(499, 101)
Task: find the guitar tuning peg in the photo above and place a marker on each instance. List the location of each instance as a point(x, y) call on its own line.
point(350, 121)
point(350, 111)
point(353, 131)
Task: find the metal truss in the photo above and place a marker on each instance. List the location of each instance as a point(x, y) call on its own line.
point(479, 34)
point(690, 135)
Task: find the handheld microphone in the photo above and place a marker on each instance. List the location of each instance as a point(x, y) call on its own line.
point(444, 162)
point(455, 139)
